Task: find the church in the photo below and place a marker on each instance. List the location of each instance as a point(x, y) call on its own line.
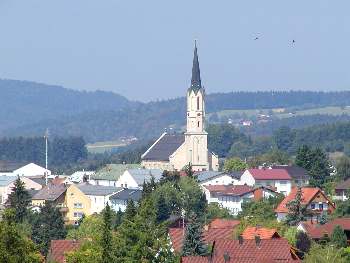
point(173, 152)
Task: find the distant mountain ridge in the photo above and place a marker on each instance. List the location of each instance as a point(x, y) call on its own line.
point(25, 103)
point(28, 108)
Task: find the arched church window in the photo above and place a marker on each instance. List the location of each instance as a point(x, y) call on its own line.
point(198, 124)
point(197, 103)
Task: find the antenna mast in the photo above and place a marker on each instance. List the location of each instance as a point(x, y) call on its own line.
point(46, 144)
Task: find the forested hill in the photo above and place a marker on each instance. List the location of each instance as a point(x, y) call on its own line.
point(24, 102)
point(28, 108)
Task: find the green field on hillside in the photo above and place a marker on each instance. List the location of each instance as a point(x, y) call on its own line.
point(107, 146)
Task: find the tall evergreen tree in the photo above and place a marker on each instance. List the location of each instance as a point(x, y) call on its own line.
point(304, 157)
point(193, 242)
point(48, 225)
point(297, 212)
point(163, 211)
point(130, 210)
point(303, 243)
point(338, 237)
point(19, 200)
point(118, 219)
point(106, 241)
point(319, 171)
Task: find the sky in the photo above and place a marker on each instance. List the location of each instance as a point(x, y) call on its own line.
point(143, 49)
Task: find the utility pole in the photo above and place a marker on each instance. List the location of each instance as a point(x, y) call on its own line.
point(46, 152)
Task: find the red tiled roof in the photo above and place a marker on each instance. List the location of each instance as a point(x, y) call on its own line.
point(236, 190)
point(270, 174)
point(263, 233)
point(269, 250)
point(318, 231)
point(308, 194)
point(177, 236)
point(223, 223)
point(60, 247)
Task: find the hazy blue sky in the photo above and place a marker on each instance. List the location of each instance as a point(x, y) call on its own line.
point(143, 49)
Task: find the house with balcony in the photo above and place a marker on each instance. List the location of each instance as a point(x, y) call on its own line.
point(273, 178)
point(313, 198)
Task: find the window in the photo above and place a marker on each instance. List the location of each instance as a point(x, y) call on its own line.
point(198, 124)
point(78, 205)
point(283, 182)
point(197, 103)
point(312, 206)
point(320, 206)
point(78, 214)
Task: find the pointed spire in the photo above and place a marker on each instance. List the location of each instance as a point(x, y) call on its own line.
point(196, 83)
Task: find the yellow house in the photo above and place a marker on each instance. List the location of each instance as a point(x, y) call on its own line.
point(78, 204)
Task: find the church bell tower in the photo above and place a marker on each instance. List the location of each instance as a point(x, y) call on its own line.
point(195, 135)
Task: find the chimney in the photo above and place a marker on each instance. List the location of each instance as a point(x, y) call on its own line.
point(257, 241)
point(240, 239)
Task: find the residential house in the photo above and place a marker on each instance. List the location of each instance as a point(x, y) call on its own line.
point(277, 178)
point(86, 199)
point(299, 175)
point(252, 232)
point(120, 199)
point(54, 193)
point(221, 230)
point(312, 197)
point(109, 175)
point(134, 178)
point(342, 190)
point(7, 185)
point(232, 196)
point(59, 249)
point(31, 169)
point(243, 251)
point(218, 178)
point(317, 231)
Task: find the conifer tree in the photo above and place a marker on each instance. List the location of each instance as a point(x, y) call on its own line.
point(19, 200)
point(304, 157)
point(106, 240)
point(296, 211)
point(130, 210)
point(118, 219)
point(303, 243)
point(48, 225)
point(193, 242)
point(163, 211)
point(338, 237)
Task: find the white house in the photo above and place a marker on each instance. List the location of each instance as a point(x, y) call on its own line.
point(31, 169)
point(7, 184)
point(342, 190)
point(109, 175)
point(99, 195)
point(120, 199)
point(218, 178)
point(232, 196)
point(134, 178)
point(276, 178)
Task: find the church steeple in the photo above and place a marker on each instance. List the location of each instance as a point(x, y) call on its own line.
point(196, 83)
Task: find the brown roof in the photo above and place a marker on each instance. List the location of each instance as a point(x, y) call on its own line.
point(177, 236)
point(236, 190)
point(58, 249)
point(318, 231)
point(194, 259)
point(50, 192)
point(271, 250)
point(308, 194)
point(263, 233)
point(223, 223)
point(343, 185)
